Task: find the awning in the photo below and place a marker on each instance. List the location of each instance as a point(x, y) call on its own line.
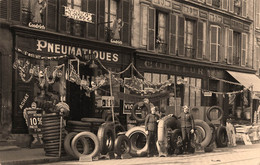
point(247, 80)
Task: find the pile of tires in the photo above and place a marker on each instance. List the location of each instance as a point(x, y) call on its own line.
point(79, 126)
point(52, 128)
point(95, 123)
point(138, 141)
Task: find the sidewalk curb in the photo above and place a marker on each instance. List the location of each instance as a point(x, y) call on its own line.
point(35, 161)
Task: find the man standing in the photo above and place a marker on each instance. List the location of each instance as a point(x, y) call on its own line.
point(151, 126)
point(187, 127)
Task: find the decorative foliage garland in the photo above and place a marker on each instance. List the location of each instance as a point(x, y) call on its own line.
point(41, 73)
point(72, 76)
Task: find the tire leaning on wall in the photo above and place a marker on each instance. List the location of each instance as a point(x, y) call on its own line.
point(122, 145)
point(133, 135)
point(212, 108)
point(221, 136)
point(208, 135)
point(210, 146)
point(106, 137)
point(89, 135)
point(133, 111)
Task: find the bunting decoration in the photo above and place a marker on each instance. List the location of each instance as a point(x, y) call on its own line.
point(39, 57)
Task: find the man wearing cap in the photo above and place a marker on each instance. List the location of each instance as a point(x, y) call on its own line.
point(187, 127)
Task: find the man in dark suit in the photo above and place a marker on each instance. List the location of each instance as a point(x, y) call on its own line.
point(187, 127)
point(151, 126)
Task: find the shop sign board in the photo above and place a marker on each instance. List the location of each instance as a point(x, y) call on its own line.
point(78, 15)
point(207, 94)
point(107, 101)
point(33, 118)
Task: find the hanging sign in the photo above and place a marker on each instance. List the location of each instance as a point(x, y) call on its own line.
point(33, 117)
point(207, 94)
point(128, 106)
point(107, 101)
point(78, 15)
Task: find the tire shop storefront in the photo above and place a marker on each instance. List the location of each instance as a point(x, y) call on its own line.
point(63, 63)
point(193, 82)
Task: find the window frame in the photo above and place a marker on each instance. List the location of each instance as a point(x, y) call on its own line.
point(218, 31)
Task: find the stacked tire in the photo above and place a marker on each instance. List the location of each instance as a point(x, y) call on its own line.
point(211, 145)
point(221, 137)
point(95, 123)
point(52, 128)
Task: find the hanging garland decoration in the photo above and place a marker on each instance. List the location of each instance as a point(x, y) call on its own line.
point(225, 81)
point(40, 57)
point(37, 71)
point(72, 76)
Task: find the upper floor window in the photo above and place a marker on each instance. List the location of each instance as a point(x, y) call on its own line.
point(239, 7)
point(202, 32)
point(214, 42)
point(161, 32)
point(257, 23)
point(216, 3)
point(189, 38)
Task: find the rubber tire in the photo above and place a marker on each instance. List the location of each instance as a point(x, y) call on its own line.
point(51, 131)
point(212, 126)
point(78, 123)
point(207, 130)
point(82, 135)
point(212, 108)
point(50, 121)
point(106, 134)
point(120, 140)
point(93, 120)
point(221, 136)
point(67, 144)
point(133, 111)
point(134, 151)
point(50, 124)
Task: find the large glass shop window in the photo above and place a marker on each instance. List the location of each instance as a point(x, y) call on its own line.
point(42, 81)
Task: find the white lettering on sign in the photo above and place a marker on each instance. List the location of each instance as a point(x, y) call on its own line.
point(36, 26)
point(78, 15)
point(44, 46)
point(107, 101)
point(26, 96)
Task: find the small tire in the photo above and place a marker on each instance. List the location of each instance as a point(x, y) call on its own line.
point(90, 135)
point(208, 134)
point(122, 145)
point(133, 111)
point(212, 108)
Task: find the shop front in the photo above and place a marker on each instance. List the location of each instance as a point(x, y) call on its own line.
point(54, 68)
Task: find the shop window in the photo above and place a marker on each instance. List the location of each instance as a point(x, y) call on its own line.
point(236, 48)
point(214, 42)
point(257, 20)
point(202, 32)
point(3, 9)
point(190, 38)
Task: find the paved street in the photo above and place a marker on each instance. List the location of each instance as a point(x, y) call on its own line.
point(244, 155)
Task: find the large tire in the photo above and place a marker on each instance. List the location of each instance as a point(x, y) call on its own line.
point(208, 135)
point(90, 135)
point(212, 108)
point(133, 111)
point(138, 141)
point(122, 145)
point(176, 141)
point(166, 123)
point(106, 137)
point(221, 136)
point(210, 146)
point(67, 144)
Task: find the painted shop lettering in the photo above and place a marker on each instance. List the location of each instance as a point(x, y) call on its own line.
point(43, 45)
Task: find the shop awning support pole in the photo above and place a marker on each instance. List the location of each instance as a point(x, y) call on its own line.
point(111, 94)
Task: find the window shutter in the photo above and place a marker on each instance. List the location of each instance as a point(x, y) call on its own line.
point(257, 14)
point(225, 4)
point(244, 49)
point(51, 14)
point(92, 27)
point(63, 19)
point(3, 9)
point(101, 21)
point(195, 38)
point(144, 24)
point(231, 6)
point(200, 39)
point(15, 10)
point(230, 46)
point(180, 36)
point(209, 2)
point(244, 8)
point(125, 31)
point(172, 34)
point(151, 29)
point(213, 43)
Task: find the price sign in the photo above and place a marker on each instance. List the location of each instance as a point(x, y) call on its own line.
point(33, 117)
point(107, 101)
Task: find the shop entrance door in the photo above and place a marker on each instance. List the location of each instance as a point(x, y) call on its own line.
point(81, 104)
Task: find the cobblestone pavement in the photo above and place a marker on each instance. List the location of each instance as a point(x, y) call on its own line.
point(244, 155)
